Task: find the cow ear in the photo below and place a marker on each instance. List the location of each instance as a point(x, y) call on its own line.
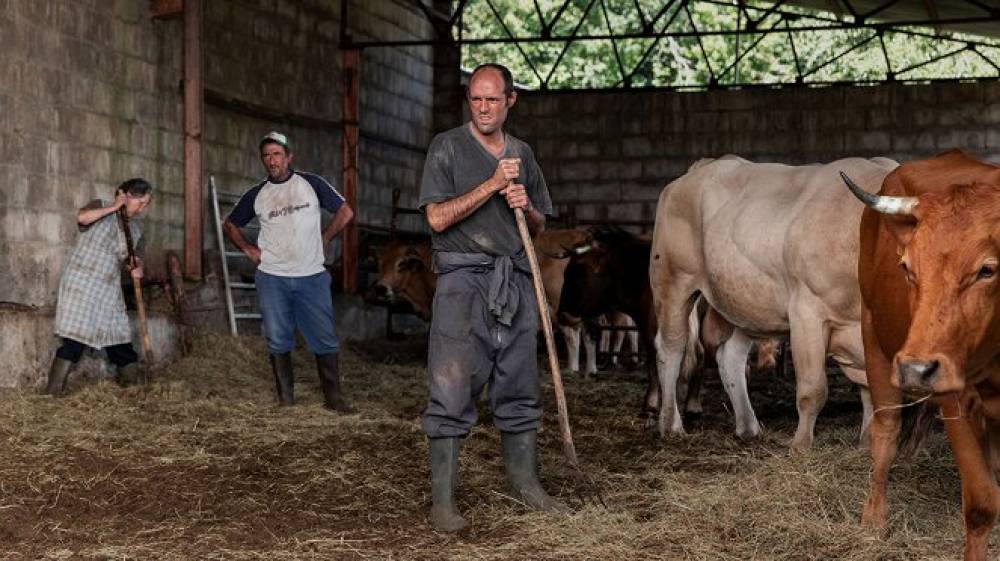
point(902, 227)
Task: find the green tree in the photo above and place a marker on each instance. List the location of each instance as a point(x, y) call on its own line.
point(687, 60)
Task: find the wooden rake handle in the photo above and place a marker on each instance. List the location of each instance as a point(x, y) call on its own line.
point(585, 486)
point(569, 450)
point(139, 303)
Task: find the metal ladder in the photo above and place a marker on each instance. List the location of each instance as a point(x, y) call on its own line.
point(225, 255)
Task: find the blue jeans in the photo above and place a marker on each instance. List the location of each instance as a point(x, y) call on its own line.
point(305, 303)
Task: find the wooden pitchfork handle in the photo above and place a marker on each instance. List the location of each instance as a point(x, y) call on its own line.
point(569, 450)
point(139, 304)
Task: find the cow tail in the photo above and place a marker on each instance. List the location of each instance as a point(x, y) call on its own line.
point(916, 423)
point(694, 351)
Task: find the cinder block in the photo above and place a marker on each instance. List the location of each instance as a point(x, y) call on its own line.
point(626, 211)
point(879, 119)
point(646, 191)
point(946, 140)
point(15, 182)
point(607, 192)
point(662, 169)
point(637, 146)
point(579, 171)
point(963, 139)
point(991, 115)
point(870, 142)
point(631, 169)
point(993, 140)
point(962, 116)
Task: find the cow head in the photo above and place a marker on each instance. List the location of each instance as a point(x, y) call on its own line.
point(949, 253)
point(404, 274)
point(562, 244)
point(591, 276)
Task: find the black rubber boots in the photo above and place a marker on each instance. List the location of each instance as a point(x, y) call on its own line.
point(444, 478)
point(520, 461)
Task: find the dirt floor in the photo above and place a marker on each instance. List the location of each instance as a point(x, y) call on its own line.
point(203, 465)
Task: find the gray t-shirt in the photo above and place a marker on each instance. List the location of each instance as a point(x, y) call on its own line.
point(456, 163)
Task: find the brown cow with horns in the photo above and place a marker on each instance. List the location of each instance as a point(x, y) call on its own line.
point(929, 260)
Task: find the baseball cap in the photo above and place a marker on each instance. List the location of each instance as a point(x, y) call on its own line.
point(276, 137)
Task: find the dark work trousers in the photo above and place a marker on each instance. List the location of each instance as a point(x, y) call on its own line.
point(469, 347)
point(119, 355)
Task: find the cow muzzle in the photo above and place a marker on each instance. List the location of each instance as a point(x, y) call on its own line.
point(378, 294)
point(919, 375)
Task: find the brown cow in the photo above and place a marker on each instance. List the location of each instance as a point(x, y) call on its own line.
point(928, 268)
point(405, 275)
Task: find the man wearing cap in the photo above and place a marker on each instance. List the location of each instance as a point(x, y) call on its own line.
point(293, 287)
point(485, 317)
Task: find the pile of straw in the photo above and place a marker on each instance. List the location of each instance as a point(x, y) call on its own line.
point(203, 465)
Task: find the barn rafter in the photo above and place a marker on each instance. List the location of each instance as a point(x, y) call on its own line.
point(661, 43)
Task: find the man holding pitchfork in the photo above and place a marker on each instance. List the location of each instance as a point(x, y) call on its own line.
point(485, 317)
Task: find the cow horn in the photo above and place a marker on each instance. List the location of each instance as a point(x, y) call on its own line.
point(580, 250)
point(881, 203)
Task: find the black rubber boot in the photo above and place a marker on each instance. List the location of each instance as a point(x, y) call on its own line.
point(328, 367)
point(284, 378)
point(521, 464)
point(444, 477)
point(58, 374)
point(130, 375)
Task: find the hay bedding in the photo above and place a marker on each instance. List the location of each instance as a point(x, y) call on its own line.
point(203, 465)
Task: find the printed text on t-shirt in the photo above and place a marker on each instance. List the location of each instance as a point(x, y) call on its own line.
point(285, 211)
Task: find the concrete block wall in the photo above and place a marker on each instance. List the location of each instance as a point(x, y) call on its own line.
point(290, 61)
point(88, 99)
point(397, 98)
point(91, 96)
point(610, 154)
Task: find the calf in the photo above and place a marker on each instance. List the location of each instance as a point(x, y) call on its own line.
point(611, 275)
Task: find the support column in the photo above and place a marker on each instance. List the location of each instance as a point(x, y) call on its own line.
point(351, 69)
point(193, 120)
point(449, 94)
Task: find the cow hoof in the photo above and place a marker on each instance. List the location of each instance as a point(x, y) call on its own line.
point(673, 435)
point(694, 410)
point(799, 447)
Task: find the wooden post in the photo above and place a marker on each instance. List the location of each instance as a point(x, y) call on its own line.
point(352, 78)
point(193, 118)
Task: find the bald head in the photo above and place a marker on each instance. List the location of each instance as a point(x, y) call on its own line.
point(498, 70)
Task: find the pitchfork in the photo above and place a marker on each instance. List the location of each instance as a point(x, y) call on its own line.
point(585, 485)
point(139, 304)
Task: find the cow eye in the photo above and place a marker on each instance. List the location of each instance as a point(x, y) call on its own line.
point(987, 271)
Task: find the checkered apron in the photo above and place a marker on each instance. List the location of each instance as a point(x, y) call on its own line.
point(91, 306)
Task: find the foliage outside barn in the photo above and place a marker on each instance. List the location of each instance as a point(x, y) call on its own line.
point(820, 56)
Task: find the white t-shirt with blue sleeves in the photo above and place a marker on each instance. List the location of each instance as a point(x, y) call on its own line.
point(291, 239)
